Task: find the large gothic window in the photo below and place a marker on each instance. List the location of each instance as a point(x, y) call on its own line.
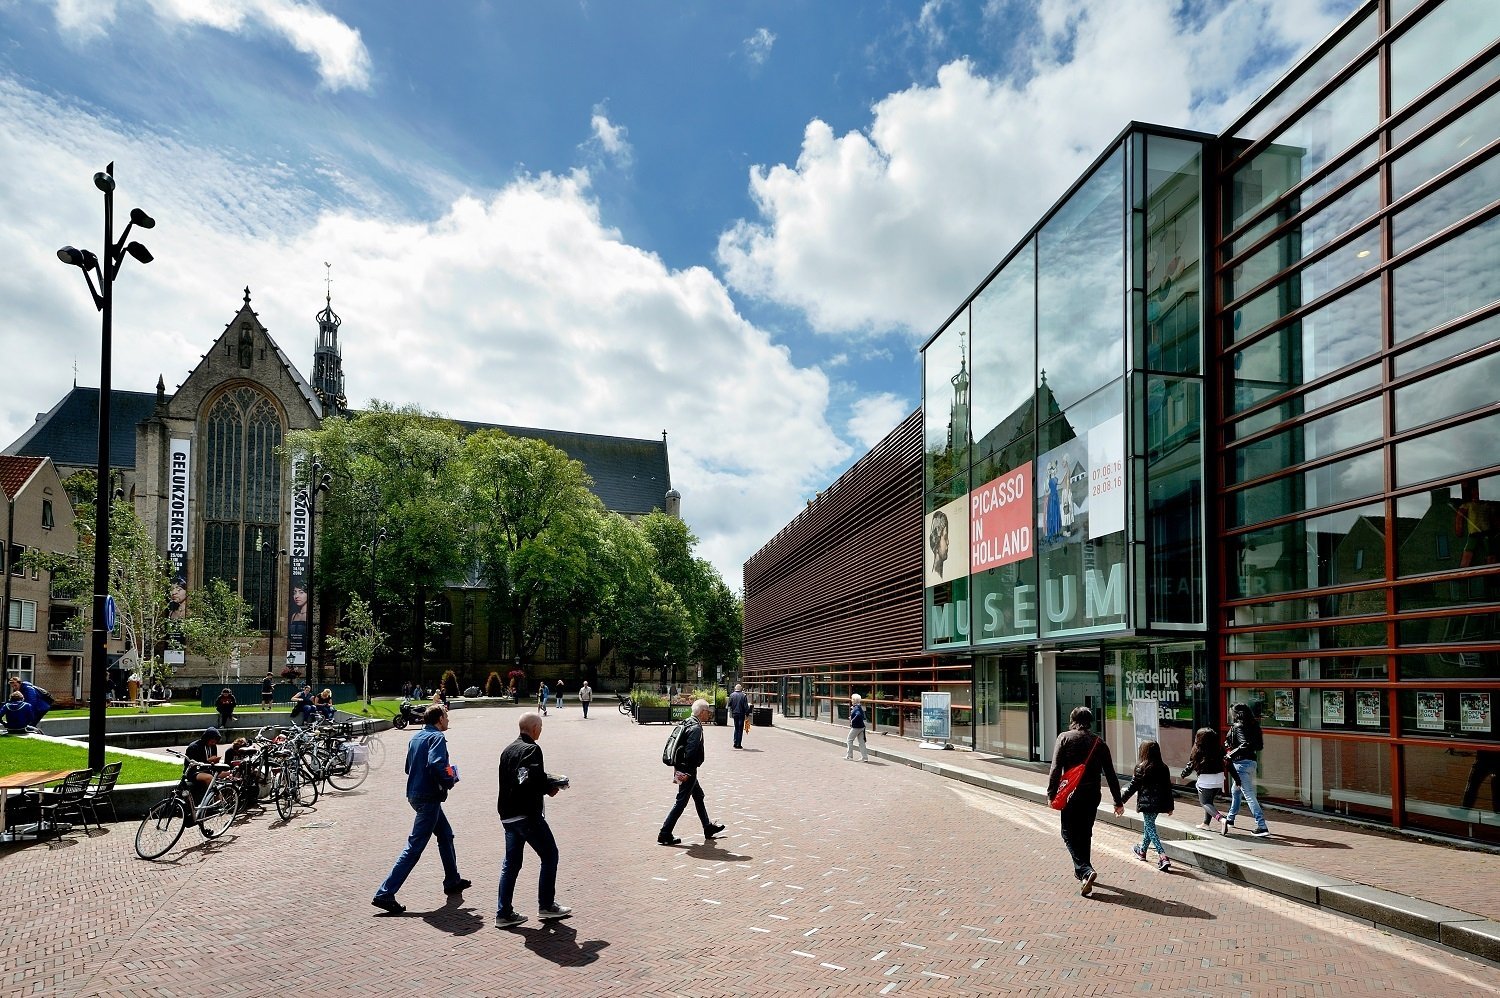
point(242, 499)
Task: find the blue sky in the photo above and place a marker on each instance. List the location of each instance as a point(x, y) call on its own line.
point(736, 222)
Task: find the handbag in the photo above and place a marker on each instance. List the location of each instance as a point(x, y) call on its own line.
point(1071, 778)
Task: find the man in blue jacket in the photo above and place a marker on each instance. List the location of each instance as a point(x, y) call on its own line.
point(38, 699)
point(524, 785)
point(18, 714)
point(739, 709)
point(429, 777)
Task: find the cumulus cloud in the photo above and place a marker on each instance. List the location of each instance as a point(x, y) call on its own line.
point(758, 46)
point(609, 138)
point(872, 417)
point(517, 305)
point(336, 49)
point(883, 230)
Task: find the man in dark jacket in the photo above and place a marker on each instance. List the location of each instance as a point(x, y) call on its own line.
point(524, 783)
point(685, 775)
point(429, 777)
point(739, 709)
point(18, 714)
point(1080, 745)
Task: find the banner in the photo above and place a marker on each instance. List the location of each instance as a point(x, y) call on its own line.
point(1000, 520)
point(1107, 477)
point(937, 717)
point(945, 554)
point(296, 607)
point(179, 493)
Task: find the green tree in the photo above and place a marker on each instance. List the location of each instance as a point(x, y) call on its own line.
point(357, 640)
point(717, 643)
point(217, 626)
point(138, 580)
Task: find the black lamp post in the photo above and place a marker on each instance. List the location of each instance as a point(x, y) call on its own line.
point(319, 482)
point(114, 254)
point(260, 548)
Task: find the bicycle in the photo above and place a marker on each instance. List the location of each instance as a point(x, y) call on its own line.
point(627, 706)
point(163, 825)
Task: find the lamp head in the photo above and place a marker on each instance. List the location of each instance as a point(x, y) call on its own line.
point(104, 182)
point(138, 251)
point(138, 217)
point(80, 258)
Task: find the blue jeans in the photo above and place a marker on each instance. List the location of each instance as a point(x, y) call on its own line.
point(1149, 836)
point(538, 834)
point(430, 821)
point(1244, 787)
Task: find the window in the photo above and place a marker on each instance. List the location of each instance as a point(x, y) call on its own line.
point(16, 568)
point(242, 498)
point(23, 615)
point(23, 667)
point(46, 514)
point(1445, 38)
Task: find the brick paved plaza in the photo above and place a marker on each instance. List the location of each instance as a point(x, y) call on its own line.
point(811, 892)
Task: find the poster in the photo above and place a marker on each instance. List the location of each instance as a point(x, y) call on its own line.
point(1285, 707)
point(937, 717)
point(1333, 706)
point(296, 610)
point(179, 494)
point(944, 553)
point(1431, 711)
point(1147, 723)
point(1367, 708)
point(1474, 712)
point(1107, 477)
point(1000, 521)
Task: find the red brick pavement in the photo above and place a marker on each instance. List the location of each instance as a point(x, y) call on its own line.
point(814, 891)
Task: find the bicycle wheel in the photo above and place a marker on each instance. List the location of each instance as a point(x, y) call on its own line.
point(217, 813)
point(344, 773)
point(160, 828)
point(375, 751)
point(284, 790)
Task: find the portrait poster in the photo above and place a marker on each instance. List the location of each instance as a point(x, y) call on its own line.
point(1284, 708)
point(1106, 480)
point(1146, 717)
point(1000, 521)
point(945, 551)
point(1333, 706)
point(1431, 711)
point(1367, 708)
point(1474, 712)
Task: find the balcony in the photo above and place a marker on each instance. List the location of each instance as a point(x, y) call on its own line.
point(59, 643)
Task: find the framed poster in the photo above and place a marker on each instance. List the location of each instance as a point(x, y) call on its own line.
point(1333, 706)
point(937, 717)
point(1367, 708)
point(1147, 717)
point(1285, 707)
point(1474, 712)
point(1431, 711)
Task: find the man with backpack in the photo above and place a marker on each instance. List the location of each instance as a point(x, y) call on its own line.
point(684, 753)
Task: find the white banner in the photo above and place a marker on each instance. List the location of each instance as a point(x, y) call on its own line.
point(1107, 477)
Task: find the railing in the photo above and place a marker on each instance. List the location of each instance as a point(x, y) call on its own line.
point(64, 643)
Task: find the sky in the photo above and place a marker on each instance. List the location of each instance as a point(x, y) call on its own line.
point(733, 222)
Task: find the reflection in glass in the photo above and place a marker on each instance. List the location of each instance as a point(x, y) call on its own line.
point(1456, 277)
point(1339, 430)
point(1469, 386)
point(1447, 528)
point(1370, 635)
point(1454, 790)
point(1355, 41)
point(1081, 284)
point(1004, 352)
point(1329, 550)
point(1346, 387)
point(1450, 344)
point(1449, 145)
point(1471, 628)
point(1467, 447)
point(1340, 481)
point(1307, 237)
point(1478, 77)
point(1456, 200)
point(945, 404)
point(1355, 257)
point(1174, 500)
point(1002, 550)
point(1443, 40)
point(1173, 279)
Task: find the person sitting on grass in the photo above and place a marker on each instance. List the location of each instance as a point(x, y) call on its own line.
point(18, 715)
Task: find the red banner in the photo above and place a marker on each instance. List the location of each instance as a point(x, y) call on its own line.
point(1000, 520)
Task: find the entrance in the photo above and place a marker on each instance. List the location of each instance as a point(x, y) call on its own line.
point(1003, 713)
point(1066, 679)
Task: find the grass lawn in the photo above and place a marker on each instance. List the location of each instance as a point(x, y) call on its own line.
point(19, 755)
point(379, 708)
point(171, 708)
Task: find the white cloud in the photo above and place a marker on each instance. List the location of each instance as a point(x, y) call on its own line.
point(873, 417)
point(886, 229)
point(758, 46)
point(517, 306)
point(342, 60)
point(610, 138)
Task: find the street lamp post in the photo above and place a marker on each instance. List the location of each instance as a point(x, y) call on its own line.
point(260, 544)
point(103, 296)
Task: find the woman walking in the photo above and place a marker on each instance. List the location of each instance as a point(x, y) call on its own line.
point(1208, 762)
point(1152, 780)
point(1079, 800)
point(1241, 746)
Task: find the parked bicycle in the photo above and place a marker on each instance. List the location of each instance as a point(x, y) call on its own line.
point(163, 825)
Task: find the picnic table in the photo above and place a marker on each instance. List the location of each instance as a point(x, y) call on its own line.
point(23, 781)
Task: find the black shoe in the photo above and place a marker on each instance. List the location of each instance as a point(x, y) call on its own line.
point(667, 840)
point(506, 919)
point(389, 904)
point(712, 830)
point(458, 887)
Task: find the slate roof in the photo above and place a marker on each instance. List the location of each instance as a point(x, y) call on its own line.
point(630, 475)
point(15, 472)
point(69, 432)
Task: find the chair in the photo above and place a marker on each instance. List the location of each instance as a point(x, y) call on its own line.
point(66, 799)
point(102, 791)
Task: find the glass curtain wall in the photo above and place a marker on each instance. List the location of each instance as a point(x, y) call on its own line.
point(1359, 284)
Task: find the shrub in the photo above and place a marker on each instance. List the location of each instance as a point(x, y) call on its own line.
point(494, 686)
point(449, 682)
point(645, 698)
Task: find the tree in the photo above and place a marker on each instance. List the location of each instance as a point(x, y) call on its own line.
point(357, 640)
point(217, 627)
point(717, 644)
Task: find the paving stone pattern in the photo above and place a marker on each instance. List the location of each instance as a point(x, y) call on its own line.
point(812, 891)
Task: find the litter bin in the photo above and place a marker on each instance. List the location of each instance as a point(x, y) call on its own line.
point(760, 717)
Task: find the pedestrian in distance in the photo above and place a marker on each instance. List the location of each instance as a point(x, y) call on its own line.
point(685, 774)
point(1208, 762)
point(225, 705)
point(856, 735)
point(557, 696)
point(1079, 800)
point(524, 785)
point(585, 697)
point(542, 695)
point(1151, 785)
point(267, 690)
point(1242, 745)
point(739, 713)
point(429, 777)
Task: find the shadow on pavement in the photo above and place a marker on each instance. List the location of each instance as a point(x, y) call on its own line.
point(712, 850)
point(1107, 894)
point(558, 942)
point(455, 919)
point(1278, 839)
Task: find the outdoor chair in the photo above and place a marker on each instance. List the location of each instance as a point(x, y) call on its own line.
point(65, 800)
point(102, 792)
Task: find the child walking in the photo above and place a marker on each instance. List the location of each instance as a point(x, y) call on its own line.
point(1208, 762)
point(1153, 781)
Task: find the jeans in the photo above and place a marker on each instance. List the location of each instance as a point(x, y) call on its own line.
point(1149, 836)
point(739, 729)
point(1078, 833)
point(856, 736)
point(1245, 787)
point(538, 834)
point(585, 704)
point(430, 821)
point(1206, 797)
point(687, 788)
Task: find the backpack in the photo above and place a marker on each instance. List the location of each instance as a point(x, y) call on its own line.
point(45, 697)
point(671, 753)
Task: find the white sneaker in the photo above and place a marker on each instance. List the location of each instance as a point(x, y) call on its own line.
point(555, 912)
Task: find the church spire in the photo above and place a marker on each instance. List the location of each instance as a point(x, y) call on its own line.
point(328, 361)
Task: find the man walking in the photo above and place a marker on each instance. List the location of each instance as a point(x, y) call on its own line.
point(856, 733)
point(1080, 746)
point(429, 777)
point(585, 696)
point(739, 712)
point(685, 775)
point(541, 697)
point(524, 781)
